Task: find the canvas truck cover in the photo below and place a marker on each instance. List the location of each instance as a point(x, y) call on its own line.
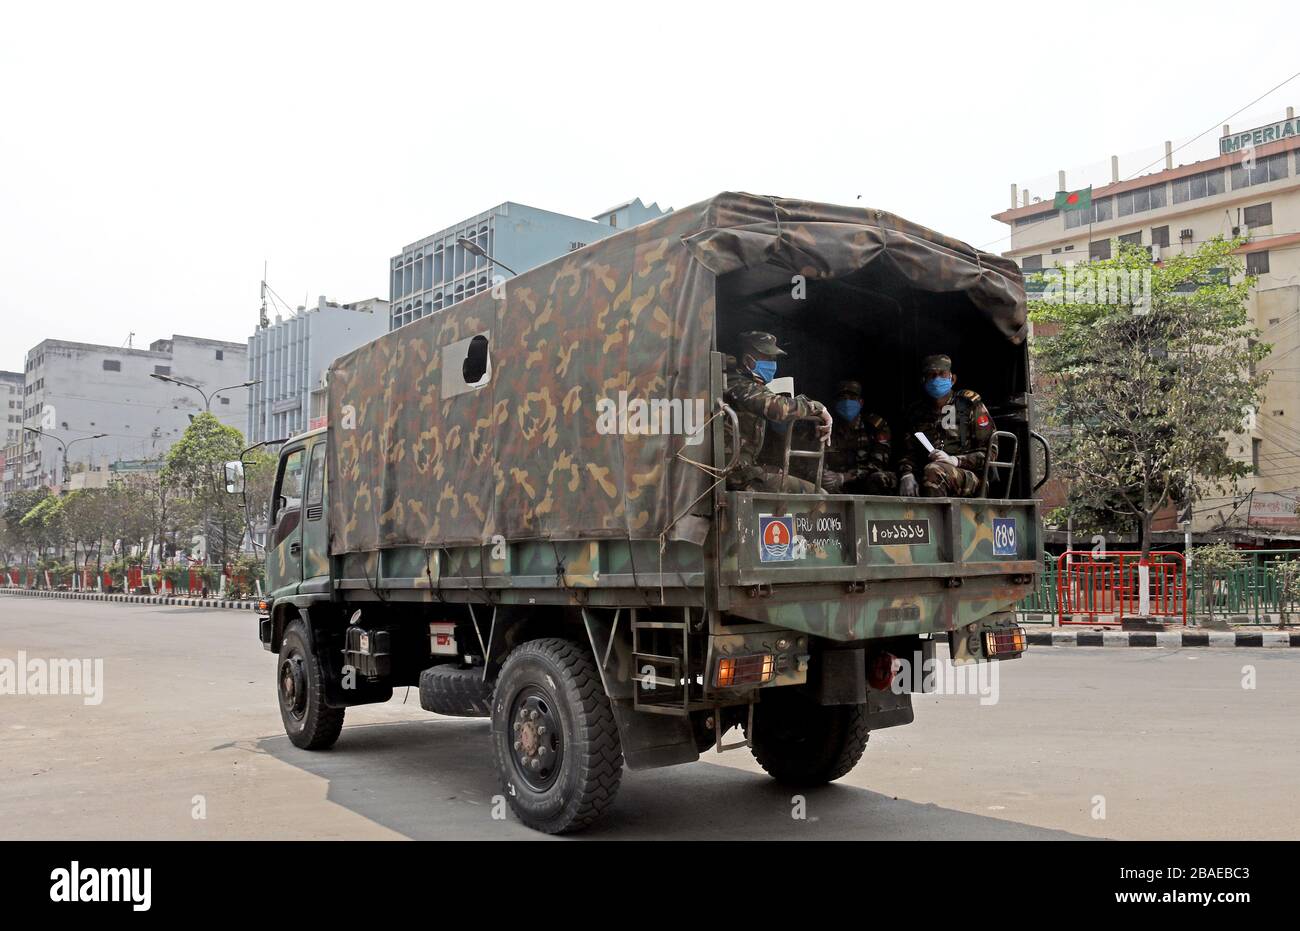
point(431, 448)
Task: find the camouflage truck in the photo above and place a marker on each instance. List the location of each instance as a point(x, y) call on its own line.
point(519, 506)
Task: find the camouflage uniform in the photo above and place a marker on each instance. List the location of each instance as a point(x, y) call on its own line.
point(964, 435)
point(755, 405)
point(962, 428)
point(858, 458)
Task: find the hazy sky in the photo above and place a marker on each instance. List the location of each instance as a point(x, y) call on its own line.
point(153, 156)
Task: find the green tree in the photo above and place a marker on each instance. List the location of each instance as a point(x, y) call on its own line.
point(1146, 371)
point(194, 468)
point(17, 506)
point(45, 524)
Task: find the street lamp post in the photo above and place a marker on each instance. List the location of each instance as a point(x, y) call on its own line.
point(63, 478)
point(474, 248)
point(207, 398)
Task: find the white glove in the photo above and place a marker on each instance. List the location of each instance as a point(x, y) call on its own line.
point(824, 428)
point(907, 486)
point(940, 456)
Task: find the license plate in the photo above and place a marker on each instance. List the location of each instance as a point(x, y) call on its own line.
point(900, 532)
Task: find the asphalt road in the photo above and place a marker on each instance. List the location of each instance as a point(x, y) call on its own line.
point(1167, 741)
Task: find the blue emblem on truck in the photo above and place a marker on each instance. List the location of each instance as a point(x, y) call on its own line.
point(775, 539)
point(1004, 536)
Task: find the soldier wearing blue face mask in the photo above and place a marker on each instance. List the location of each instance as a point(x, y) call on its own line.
point(858, 460)
point(958, 426)
point(747, 375)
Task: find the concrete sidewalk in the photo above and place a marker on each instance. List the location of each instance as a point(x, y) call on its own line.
point(188, 600)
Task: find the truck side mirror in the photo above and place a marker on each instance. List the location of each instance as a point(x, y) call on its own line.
point(235, 478)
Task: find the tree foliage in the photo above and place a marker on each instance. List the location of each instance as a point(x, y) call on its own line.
point(1144, 385)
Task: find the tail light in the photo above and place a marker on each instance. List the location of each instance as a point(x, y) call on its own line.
point(1005, 641)
point(881, 670)
point(754, 669)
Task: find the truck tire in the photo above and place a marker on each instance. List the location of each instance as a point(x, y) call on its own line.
point(456, 690)
point(553, 733)
point(300, 685)
point(801, 743)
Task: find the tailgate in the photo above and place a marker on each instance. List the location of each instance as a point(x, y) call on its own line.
point(856, 566)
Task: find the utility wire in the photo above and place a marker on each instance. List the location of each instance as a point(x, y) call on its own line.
point(1210, 129)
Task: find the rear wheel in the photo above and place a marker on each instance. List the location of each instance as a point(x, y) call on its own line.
point(801, 743)
point(554, 736)
point(300, 683)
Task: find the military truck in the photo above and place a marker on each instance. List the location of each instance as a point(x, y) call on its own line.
point(520, 506)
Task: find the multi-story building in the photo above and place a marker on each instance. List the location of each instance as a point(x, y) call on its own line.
point(437, 271)
point(11, 403)
point(74, 392)
point(1250, 190)
point(289, 359)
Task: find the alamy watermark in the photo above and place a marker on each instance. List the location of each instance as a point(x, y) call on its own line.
point(1085, 285)
point(936, 676)
point(36, 676)
point(652, 417)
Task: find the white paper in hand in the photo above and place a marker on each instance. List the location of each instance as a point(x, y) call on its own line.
point(921, 438)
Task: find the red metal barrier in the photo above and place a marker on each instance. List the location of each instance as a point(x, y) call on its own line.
point(1091, 585)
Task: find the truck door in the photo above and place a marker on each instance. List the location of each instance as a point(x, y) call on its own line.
point(284, 554)
point(315, 538)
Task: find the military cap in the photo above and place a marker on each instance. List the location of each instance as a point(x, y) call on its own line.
point(758, 343)
point(848, 386)
point(936, 363)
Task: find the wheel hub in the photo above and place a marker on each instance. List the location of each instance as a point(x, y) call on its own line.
point(538, 748)
point(293, 686)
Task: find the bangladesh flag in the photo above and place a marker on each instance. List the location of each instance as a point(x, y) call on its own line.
point(1074, 200)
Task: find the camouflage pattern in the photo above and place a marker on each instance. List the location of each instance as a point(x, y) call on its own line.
point(757, 343)
point(858, 460)
point(906, 588)
point(961, 426)
point(755, 405)
point(520, 456)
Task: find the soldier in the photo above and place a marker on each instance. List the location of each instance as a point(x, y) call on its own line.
point(858, 459)
point(959, 428)
point(755, 405)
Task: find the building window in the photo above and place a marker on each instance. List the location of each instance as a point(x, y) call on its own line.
point(225, 400)
point(1258, 215)
point(1036, 217)
point(1255, 446)
point(1194, 187)
point(1257, 263)
point(1031, 263)
point(220, 355)
point(1268, 169)
point(162, 369)
point(1133, 238)
point(1160, 236)
point(1147, 198)
point(1100, 211)
point(112, 365)
point(1099, 250)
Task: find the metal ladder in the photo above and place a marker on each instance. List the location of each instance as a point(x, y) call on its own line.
point(991, 464)
point(819, 454)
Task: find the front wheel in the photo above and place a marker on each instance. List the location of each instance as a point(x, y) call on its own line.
point(553, 733)
point(801, 743)
point(300, 683)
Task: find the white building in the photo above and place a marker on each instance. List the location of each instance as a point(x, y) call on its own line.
point(74, 392)
point(290, 357)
